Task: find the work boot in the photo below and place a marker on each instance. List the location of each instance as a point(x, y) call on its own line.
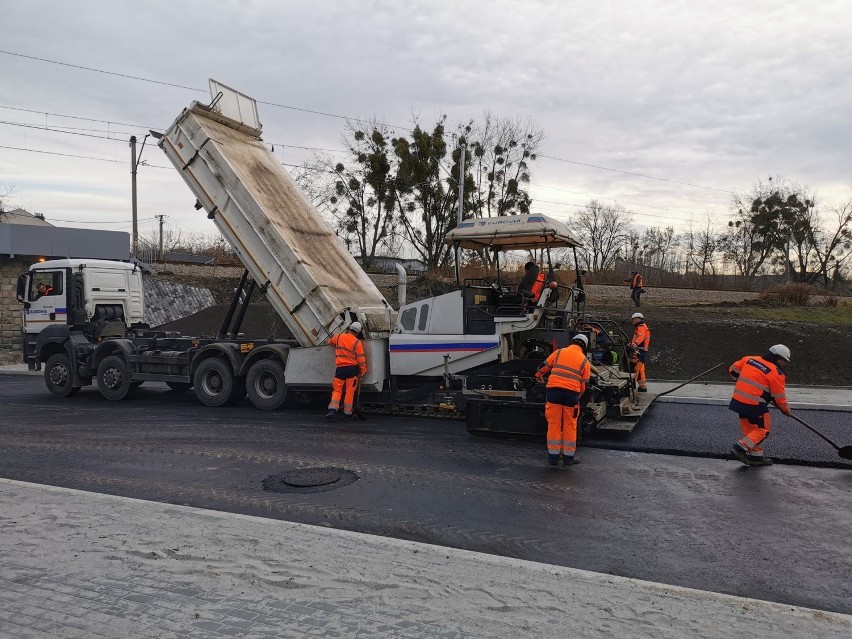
point(757, 460)
point(569, 461)
point(740, 454)
point(348, 417)
point(330, 415)
point(642, 389)
point(553, 460)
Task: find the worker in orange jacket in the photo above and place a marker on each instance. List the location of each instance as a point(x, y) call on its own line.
point(760, 380)
point(636, 286)
point(538, 286)
point(639, 347)
point(568, 372)
point(351, 366)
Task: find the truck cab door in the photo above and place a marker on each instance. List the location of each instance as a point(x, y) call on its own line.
point(45, 308)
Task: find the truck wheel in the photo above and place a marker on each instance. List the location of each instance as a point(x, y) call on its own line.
point(58, 377)
point(265, 384)
point(179, 386)
point(114, 378)
point(214, 382)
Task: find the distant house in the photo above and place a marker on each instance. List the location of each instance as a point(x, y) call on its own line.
point(386, 264)
point(25, 239)
point(20, 216)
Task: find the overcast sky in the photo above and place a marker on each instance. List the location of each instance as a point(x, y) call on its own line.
point(715, 94)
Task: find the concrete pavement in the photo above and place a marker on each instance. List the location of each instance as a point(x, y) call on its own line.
point(80, 564)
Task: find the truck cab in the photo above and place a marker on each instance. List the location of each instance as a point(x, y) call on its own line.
point(98, 298)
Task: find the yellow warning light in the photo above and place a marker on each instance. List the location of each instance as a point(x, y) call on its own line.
point(42, 259)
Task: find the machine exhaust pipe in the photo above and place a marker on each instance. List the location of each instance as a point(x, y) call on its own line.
point(401, 286)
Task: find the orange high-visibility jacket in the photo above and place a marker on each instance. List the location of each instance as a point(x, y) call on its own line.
point(349, 351)
point(568, 368)
point(636, 281)
point(758, 382)
point(641, 336)
point(538, 286)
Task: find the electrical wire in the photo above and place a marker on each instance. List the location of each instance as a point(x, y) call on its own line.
point(51, 130)
point(344, 117)
point(80, 157)
point(74, 117)
point(641, 175)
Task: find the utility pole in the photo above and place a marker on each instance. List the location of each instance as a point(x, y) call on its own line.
point(133, 194)
point(460, 215)
point(134, 165)
point(161, 218)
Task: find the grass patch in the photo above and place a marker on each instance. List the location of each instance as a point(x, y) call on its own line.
point(825, 315)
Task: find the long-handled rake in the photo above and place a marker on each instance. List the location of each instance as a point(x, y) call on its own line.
point(844, 451)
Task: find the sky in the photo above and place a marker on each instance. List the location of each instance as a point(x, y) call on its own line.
point(667, 107)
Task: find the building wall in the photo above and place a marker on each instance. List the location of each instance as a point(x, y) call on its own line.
point(10, 308)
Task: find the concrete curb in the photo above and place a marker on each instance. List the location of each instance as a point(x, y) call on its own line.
point(711, 401)
point(405, 572)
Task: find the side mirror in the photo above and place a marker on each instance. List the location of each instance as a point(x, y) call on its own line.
point(21, 292)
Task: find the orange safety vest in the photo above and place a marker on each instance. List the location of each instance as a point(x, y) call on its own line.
point(349, 351)
point(637, 282)
point(758, 382)
point(568, 368)
point(641, 336)
point(538, 286)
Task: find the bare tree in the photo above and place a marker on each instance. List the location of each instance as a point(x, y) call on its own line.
point(500, 152)
point(659, 247)
point(701, 246)
point(173, 240)
point(5, 192)
point(604, 229)
point(834, 248)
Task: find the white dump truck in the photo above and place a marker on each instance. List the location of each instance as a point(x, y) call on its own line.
point(472, 351)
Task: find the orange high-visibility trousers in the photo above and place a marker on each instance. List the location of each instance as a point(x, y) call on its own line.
point(755, 430)
point(343, 388)
point(639, 372)
point(561, 428)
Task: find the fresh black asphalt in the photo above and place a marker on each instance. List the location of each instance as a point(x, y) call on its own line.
point(779, 533)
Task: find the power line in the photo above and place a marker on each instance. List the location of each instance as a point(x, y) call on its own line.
point(54, 219)
point(344, 117)
point(74, 117)
point(120, 75)
point(81, 157)
point(50, 130)
point(641, 175)
point(614, 199)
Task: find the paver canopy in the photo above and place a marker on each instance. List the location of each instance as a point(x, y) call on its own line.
point(514, 232)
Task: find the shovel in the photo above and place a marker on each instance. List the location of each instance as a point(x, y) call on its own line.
point(356, 409)
point(844, 451)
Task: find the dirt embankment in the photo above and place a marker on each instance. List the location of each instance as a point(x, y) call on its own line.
point(690, 338)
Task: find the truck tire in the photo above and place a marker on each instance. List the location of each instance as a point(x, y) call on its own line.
point(179, 386)
point(114, 378)
point(58, 376)
point(265, 384)
point(214, 383)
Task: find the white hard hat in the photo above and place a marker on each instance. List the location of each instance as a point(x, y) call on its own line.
point(355, 327)
point(637, 316)
point(579, 337)
point(781, 351)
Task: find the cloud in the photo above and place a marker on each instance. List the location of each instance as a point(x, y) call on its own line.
point(717, 94)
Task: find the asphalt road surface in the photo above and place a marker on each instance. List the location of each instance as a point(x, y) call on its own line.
point(779, 533)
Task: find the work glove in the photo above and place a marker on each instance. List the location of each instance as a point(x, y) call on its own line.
point(787, 412)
